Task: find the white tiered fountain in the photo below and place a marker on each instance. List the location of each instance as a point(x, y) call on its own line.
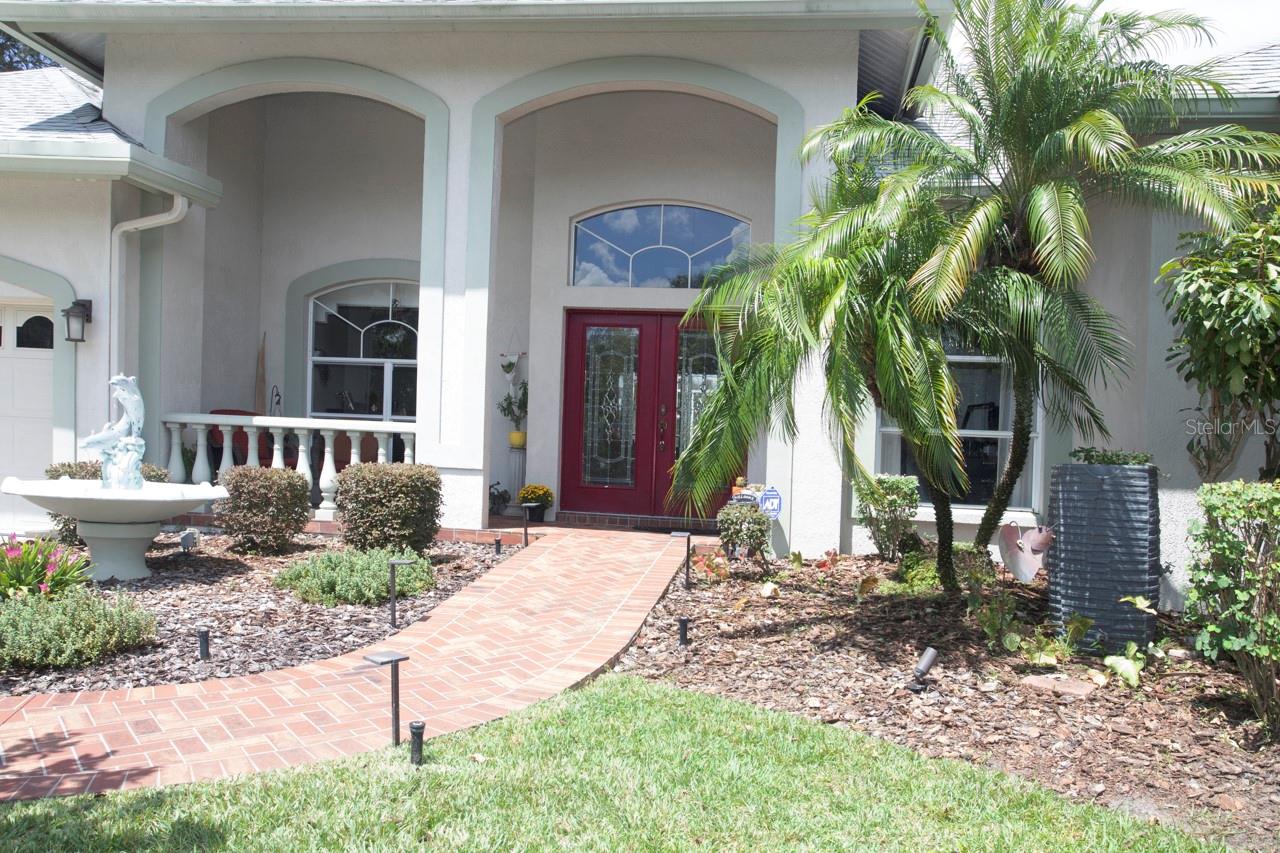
point(119, 516)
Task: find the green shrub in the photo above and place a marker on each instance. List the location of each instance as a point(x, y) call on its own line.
point(744, 527)
point(888, 505)
point(65, 525)
point(389, 505)
point(39, 567)
point(74, 629)
point(1105, 456)
point(1235, 586)
point(356, 577)
point(918, 572)
point(265, 509)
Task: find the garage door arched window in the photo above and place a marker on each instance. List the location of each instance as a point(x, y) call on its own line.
point(654, 245)
point(363, 351)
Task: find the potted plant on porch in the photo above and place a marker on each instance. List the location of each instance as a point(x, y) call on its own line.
point(515, 408)
point(536, 493)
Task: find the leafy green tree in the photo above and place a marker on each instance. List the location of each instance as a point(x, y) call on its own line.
point(1053, 100)
point(16, 56)
point(1224, 297)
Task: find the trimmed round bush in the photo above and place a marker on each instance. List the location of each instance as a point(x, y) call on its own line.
point(265, 509)
point(356, 577)
point(888, 504)
point(74, 629)
point(389, 505)
point(65, 525)
point(743, 527)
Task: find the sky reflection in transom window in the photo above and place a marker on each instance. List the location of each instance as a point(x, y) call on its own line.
point(654, 245)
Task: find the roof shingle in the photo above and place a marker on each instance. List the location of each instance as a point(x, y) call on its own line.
point(52, 104)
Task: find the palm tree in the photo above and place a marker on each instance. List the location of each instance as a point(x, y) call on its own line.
point(1053, 100)
point(835, 301)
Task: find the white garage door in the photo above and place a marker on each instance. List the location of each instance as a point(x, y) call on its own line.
point(26, 406)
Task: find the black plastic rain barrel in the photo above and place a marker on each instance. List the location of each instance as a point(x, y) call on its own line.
point(1106, 545)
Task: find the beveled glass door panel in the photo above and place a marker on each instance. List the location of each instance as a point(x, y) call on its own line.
point(610, 384)
point(697, 375)
point(609, 406)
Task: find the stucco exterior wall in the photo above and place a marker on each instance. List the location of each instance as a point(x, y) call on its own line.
point(62, 226)
point(608, 150)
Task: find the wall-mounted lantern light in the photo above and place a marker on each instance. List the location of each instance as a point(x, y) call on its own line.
point(80, 312)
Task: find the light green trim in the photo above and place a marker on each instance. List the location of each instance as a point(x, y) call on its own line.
point(625, 71)
point(297, 314)
point(108, 161)
point(61, 293)
point(246, 80)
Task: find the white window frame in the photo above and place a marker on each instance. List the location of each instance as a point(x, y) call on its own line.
point(1035, 455)
point(577, 221)
point(387, 364)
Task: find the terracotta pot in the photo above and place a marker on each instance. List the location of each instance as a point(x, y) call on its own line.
point(517, 438)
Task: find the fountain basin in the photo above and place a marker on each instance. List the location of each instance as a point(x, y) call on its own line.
point(117, 524)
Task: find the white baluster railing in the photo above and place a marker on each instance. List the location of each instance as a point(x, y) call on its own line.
point(198, 427)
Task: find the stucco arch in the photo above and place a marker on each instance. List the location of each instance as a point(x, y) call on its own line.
point(61, 293)
point(298, 314)
point(626, 73)
point(233, 83)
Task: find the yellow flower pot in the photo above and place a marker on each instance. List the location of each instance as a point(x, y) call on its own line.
point(516, 438)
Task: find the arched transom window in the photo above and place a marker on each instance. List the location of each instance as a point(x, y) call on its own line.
point(654, 245)
point(364, 348)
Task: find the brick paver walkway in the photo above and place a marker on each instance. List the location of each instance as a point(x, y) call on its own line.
point(538, 623)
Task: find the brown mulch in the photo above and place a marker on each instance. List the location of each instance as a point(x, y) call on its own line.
point(253, 626)
point(1182, 748)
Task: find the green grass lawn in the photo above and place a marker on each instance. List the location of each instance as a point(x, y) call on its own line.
point(621, 764)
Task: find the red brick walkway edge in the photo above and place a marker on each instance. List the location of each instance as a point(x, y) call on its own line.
point(544, 620)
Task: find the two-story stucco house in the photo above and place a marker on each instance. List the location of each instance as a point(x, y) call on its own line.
point(333, 223)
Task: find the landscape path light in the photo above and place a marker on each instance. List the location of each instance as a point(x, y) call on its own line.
point(392, 659)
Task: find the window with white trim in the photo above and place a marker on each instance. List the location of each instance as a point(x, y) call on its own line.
point(654, 245)
point(364, 349)
point(984, 416)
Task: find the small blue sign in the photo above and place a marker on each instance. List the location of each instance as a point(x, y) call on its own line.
point(771, 502)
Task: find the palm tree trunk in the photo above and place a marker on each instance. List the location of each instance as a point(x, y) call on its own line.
point(946, 537)
point(1024, 409)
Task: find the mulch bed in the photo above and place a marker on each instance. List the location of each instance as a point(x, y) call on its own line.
point(1181, 749)
point(253, 626)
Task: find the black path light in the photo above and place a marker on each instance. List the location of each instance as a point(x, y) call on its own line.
point(684, 630)
point(416, 729)
point(392, 658)
point(202, 637)
point(391, 583)
point(497, 544)
point(526, 507)
point(926, 662)
point(688, 553)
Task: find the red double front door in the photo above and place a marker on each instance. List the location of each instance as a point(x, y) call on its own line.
point(634, 384)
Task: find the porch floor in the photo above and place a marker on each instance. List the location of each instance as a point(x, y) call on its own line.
point(538, 623)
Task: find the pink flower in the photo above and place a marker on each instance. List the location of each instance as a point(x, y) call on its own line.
point(44, 587)
point(12, 553)
point(13, 538)
point(50, 569)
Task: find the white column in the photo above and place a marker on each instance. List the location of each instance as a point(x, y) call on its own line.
point(228, 460)
point(252, 459)
point(200, 472)
point(408, 448)
point(328, 479)
point(383, 439)
point(177, 468)
point(304, 454)
point(277, 447)
point(356, 439)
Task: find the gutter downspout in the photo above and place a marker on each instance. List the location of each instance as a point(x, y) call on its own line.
point(115, 286)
